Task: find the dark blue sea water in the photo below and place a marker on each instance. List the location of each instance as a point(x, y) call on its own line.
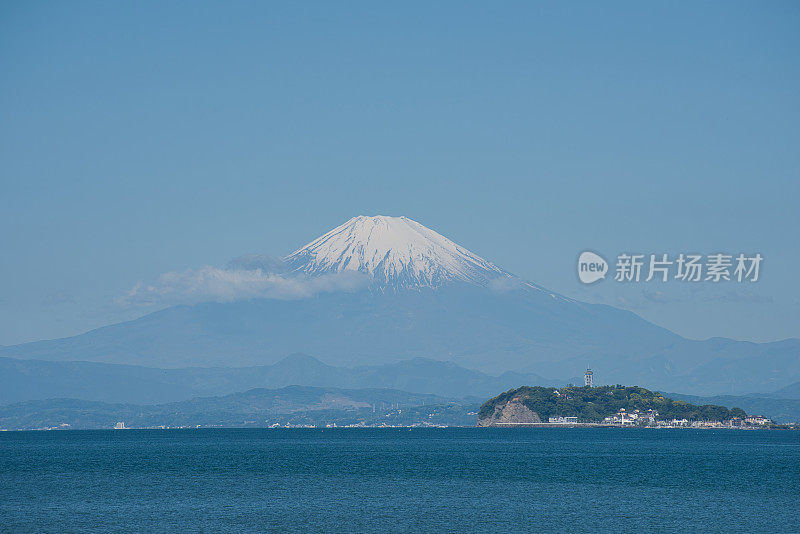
point(454, 480)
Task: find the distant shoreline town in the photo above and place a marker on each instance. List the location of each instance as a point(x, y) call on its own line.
point(623, 419)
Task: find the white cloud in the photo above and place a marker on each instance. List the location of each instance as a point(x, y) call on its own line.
point(214, 284)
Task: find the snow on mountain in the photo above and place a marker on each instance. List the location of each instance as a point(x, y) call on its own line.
point(396, 252)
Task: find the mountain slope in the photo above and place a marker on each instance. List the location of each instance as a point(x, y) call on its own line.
point(474, 327)
point(792, 391)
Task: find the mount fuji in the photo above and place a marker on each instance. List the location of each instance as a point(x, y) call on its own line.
point(395, 252)
point(426, 297)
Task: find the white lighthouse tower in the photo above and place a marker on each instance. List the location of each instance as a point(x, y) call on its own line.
point(587, 377)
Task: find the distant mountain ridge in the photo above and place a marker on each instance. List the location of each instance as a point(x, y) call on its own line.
point(25, 380)
point(258, 407)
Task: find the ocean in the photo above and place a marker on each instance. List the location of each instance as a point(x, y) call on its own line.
point(396, 480)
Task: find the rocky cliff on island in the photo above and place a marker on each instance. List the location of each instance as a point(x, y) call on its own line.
point(510, 412)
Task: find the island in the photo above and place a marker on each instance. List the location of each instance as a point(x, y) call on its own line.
point(613, 406)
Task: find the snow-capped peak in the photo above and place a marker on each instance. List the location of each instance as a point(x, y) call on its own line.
point(396, 252)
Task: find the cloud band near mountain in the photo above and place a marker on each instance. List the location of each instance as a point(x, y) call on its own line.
point(257, 277)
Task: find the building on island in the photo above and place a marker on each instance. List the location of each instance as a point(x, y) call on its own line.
point(621, 418)
point(558, 420)
point(120, 426)
point(587, 377)
point(757, 420)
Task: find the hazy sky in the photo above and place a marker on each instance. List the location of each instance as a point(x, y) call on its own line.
point(144, 137)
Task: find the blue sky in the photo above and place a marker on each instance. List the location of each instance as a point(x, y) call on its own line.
point(141, 138)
